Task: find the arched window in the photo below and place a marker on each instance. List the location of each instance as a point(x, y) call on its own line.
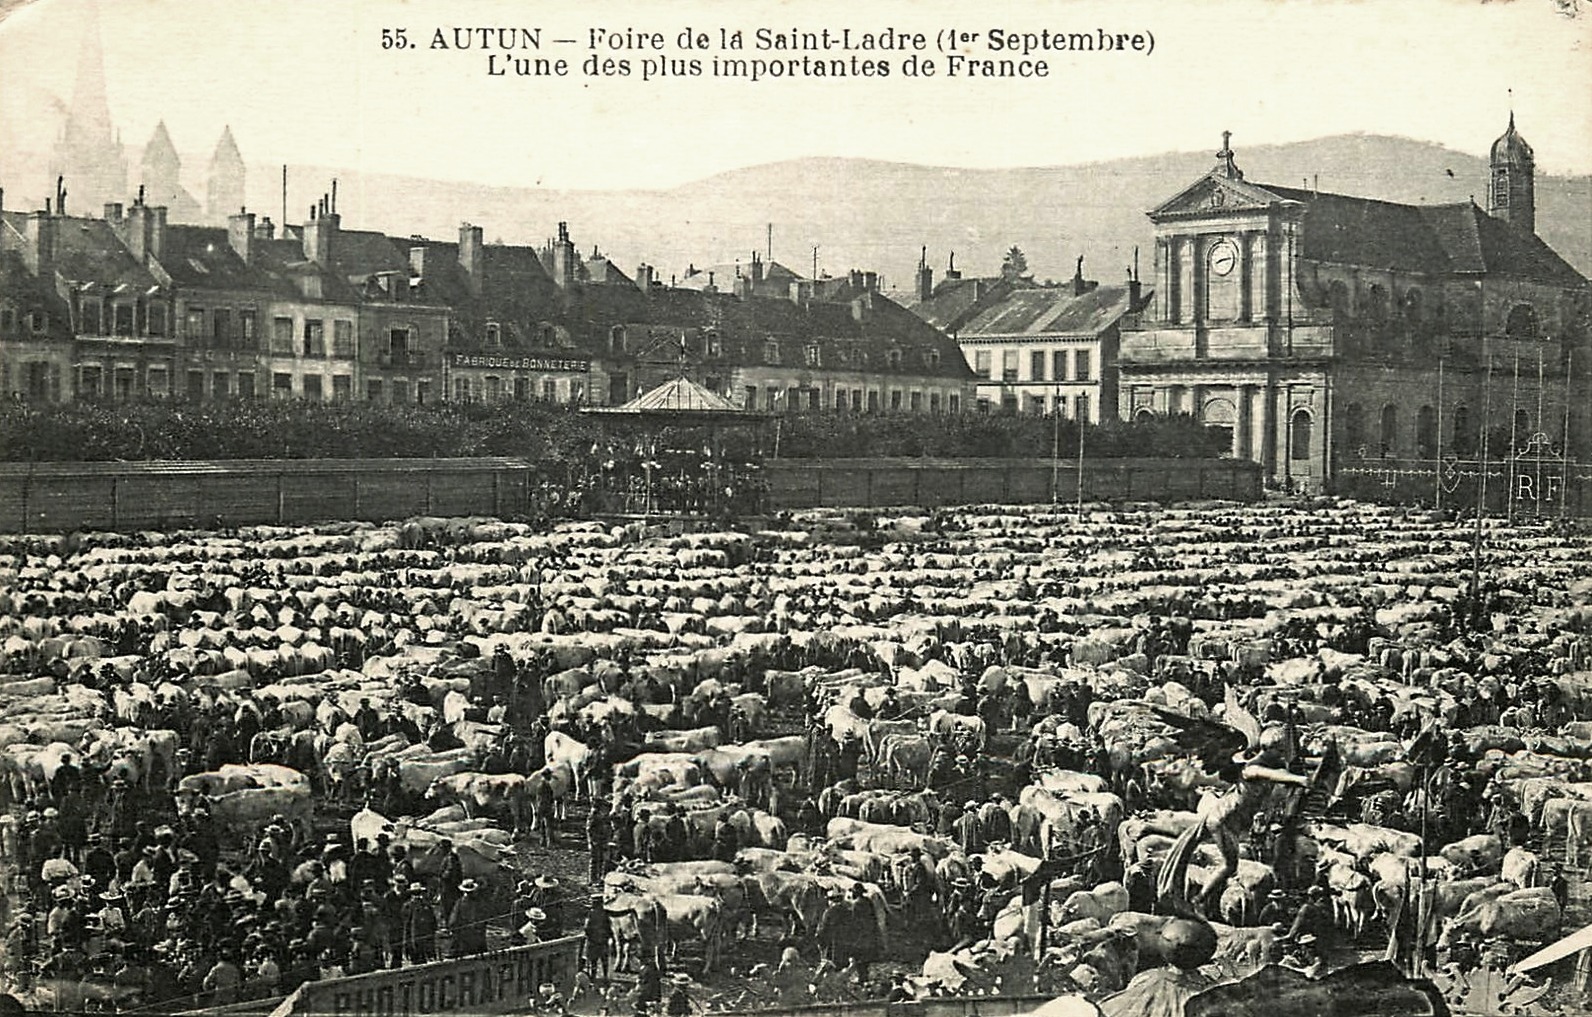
point(1220, 415)
point(1299, 436)
point(616, 340)
point(1389, 434)
point(1464, 441)
point(494, 334)
point(1522, 322)
point(1426, 433)
point(1143, 414)
point(1354, 429)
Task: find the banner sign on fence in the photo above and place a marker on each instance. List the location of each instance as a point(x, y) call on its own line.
point(502, 981)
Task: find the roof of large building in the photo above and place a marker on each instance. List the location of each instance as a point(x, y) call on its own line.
point(955, 300)
point(1049, 310)
point(1435, 239)
point(86, 250)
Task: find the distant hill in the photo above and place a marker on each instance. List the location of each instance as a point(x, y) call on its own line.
point(877, 215)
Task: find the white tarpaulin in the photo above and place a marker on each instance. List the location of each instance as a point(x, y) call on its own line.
point(1572, 944)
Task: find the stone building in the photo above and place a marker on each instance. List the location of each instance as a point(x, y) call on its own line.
point(153, 308)
point(1323, 329)
point(1049, 349)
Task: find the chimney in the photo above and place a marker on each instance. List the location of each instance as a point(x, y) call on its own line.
point(266, 230)
point(757, 269)
point(801, 290)
point(472, 255)
point(1135, 291)
point(925, 276)
point(157, 231)
point(710, 287)
point(1079, 287)
point(39, 252)
point(646, 277)
point(240, 233)
point(950, 269)
point(320, 233)
point(136, 235)
point(563, 258)
point(854, 277)
point(870, 281)
point(2, 199)
point(743, 287)
point(60, 195)
point(113, 212)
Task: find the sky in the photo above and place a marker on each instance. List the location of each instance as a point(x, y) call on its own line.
point(310, 83)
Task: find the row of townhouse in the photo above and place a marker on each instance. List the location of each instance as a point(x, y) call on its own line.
point(129, 305)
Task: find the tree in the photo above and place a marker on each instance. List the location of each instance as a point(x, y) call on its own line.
point(1015, 265)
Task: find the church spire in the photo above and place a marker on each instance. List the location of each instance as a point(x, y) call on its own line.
point(88, 153)
point(224, 186)
point(1512, 194)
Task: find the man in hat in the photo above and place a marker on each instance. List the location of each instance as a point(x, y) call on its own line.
point(467, 921)
point(1273, 912)
point(223, 981)
point(451, 878)
point(420, 927)
point(968, 830)
point(864, 931)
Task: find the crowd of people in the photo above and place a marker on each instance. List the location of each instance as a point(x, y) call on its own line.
point(952, 785)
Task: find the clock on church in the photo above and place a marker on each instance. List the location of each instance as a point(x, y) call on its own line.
point(1224, 256)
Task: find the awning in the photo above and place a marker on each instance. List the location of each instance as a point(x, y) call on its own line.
point(1572, 944)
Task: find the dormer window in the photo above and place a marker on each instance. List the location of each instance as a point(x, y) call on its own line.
point(494, 334)
point(710, 341)
point(35, 321)
point(814, 356)
point(547, 335)
point(892, 359)
point(931, 358)
point(616, 340)
point(771, 351)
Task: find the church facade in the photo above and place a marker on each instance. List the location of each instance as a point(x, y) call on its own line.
point(1324, 330)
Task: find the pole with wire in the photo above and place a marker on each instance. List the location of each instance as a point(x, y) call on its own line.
point(1083, 410)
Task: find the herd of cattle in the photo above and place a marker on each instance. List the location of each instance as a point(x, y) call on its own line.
point(893, 716)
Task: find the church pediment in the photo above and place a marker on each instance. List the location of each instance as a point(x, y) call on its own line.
point(1214, 194)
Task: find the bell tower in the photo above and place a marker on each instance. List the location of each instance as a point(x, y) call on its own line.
point(1511, 195)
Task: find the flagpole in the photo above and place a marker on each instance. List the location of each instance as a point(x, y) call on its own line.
point(1514, 445)
point(1437, 466)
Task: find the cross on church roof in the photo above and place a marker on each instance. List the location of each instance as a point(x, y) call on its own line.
point(1225, 158)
